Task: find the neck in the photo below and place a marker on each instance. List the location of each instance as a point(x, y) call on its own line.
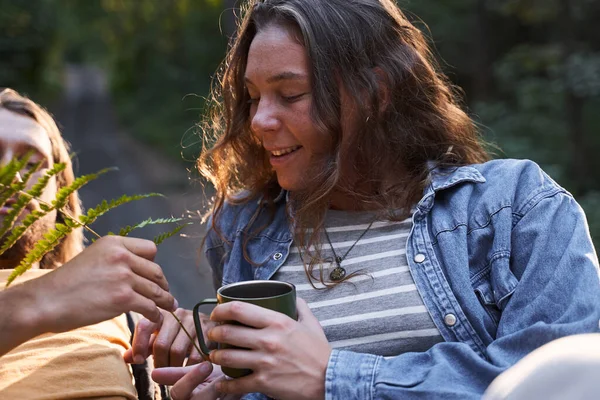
point(342, 201)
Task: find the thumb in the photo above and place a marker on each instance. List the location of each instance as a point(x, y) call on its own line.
point(305, 315)
point(128, 356)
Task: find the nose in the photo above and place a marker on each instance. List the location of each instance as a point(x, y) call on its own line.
point(265, 118)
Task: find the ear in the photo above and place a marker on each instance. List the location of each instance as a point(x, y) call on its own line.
point(384, 89)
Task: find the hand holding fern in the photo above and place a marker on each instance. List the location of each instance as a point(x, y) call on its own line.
point(112, 276)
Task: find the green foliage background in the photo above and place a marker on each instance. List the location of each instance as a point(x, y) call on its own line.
point(530, 69)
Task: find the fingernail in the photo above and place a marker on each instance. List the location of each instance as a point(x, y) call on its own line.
point(175, 304)
point(138, 359)
point(204, 367)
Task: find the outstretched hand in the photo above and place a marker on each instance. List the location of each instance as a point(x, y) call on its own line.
point(166, 341)
point(112, 276)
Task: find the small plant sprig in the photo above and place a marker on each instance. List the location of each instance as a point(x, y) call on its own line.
point(13, 188)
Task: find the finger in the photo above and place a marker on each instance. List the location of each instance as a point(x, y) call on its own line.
point(247, 314)
point(236, 358)
point(246, 384)
point(149, 270)
point(163, 343)
point(141, 346)
point(195, 357)
point(128, 356)
point(210, 391)
point(183, 389)
point(147, 308)
point(154, 292)
point(240, 336)
point(305, 315)
point(140, 247)
point(182, 347)
point(170, 375)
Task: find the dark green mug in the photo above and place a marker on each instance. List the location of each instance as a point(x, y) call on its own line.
point(274, 295)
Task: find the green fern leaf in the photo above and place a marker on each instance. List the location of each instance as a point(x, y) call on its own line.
point(105, 206)
point(9, 171)
point(18, 231)
point(37, 189)
point(62, 195)
point(128, 229)
point(160, 238)
point(50, 240)
point(8, 182)
point(24, 199)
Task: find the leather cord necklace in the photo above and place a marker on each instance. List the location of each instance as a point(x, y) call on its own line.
point(339, 272)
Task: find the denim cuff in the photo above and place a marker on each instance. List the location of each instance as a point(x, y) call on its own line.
point(350, 375)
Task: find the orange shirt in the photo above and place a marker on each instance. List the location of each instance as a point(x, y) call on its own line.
point(85, 363)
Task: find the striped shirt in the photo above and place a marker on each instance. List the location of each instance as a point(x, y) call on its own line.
point(379, 311)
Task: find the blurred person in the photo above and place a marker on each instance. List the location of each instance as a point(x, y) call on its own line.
point(344, 164)
point(62, 327)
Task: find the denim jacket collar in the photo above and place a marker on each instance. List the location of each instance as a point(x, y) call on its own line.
point(439, 179)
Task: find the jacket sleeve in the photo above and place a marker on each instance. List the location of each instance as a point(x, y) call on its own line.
point(558, 294)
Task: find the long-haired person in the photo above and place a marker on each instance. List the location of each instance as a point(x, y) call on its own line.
point(344, 163)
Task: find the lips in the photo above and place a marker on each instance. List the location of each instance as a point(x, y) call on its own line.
point(284, 151)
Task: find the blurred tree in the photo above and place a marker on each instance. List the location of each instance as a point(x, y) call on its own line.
point(530, 69)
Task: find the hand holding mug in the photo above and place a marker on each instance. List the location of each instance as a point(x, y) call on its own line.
point(288, 358)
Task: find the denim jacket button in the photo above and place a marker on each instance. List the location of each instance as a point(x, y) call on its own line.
point(450, 320)
point(277, 256)
point(419, 258)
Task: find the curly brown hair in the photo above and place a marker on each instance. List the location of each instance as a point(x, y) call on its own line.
point(72, 244)
point(354, 47)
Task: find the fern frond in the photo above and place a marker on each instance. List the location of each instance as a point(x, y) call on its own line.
point(37, 189)
point(18, 231)
point(62, 195)
point(8, 183)
point(160, 238)
point(24, 199)
point(102, 208)
point(50, 240)
point(9, 171)
point(128, 229)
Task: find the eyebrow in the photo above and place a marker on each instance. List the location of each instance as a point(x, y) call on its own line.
point(283, 76)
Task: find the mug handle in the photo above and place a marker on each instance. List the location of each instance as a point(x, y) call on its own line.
point(198, 325)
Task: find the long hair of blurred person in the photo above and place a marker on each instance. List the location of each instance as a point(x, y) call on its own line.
point(71, 244)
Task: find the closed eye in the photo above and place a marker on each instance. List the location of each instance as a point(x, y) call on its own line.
point(291, 99)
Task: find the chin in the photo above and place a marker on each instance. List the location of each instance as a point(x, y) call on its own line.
point(291, 185)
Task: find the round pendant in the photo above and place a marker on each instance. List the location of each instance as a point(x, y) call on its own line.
point(337, 274)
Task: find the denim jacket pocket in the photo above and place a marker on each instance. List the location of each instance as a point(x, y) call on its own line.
point(495, 285)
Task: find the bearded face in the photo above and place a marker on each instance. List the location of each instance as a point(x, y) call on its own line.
point(20, 135)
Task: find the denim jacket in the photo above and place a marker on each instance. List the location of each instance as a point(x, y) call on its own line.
point(504, 262)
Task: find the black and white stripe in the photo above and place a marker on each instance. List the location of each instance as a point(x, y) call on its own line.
point(378, 311)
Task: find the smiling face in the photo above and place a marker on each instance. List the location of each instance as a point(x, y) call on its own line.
point(278, 82)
